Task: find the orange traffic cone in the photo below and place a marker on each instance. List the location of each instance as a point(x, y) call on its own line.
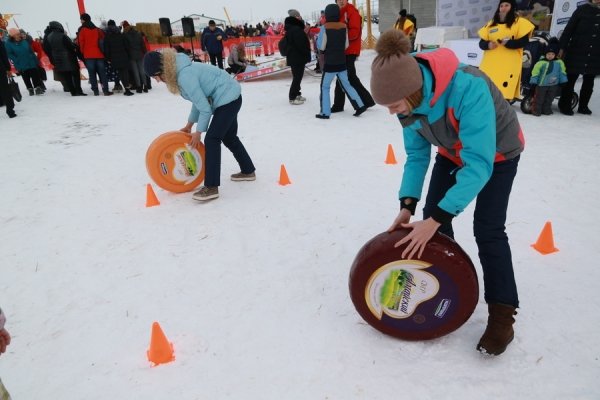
point(283, 176)
point(151, 199)
point(161, 350)
point(545, 242)
point(390, 158)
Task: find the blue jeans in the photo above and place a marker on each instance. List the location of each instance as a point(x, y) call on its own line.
point(488, 224)
point(342, 76)
point(223, 128)
point(96, 66)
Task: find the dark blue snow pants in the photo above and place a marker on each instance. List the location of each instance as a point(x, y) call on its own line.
point(488, 224)
point(223, 128)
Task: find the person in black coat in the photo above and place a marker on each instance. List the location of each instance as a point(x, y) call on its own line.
point(137, 49)
point(5, 93)
point(212, 43)
point(62, 53)
point(116, 52)
point(298, 54)
point(580, 46)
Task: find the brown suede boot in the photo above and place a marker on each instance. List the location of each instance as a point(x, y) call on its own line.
point(499, 331)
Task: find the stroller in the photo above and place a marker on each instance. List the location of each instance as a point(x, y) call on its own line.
point(533, 51)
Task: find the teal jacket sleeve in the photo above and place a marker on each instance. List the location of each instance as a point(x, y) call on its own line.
point(476, 114)
point(418, 155)
point(201, 109)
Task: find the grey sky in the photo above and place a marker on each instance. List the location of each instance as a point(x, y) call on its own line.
point(35, 14)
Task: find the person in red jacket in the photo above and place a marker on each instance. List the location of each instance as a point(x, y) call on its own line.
point(90, 39)
point(351, 17)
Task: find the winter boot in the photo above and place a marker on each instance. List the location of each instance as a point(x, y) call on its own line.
point(145, 89)
point(107, 93)
point(38, 90)
point(499, 331)
point(206, 193)
point(240, 176)
point(128, 92)
point(360, 111)
point(30, 90)
point(584, 99)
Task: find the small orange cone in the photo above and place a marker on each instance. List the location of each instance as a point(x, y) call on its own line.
point(545, 242)
point(161, 350)
point(283, 176)
point(151, 199)
point(390, 158)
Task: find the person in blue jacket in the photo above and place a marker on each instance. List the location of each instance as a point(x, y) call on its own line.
point(457, 108)
point(214, 94)
point(212, 43)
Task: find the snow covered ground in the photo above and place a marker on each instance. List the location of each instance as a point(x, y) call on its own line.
point(252, 288)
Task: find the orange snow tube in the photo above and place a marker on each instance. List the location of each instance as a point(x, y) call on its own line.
point(173, 164)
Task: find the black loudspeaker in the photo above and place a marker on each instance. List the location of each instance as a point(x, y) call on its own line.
point(188, 27)
point(165, 27)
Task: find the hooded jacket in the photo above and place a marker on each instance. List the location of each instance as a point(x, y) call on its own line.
point(298, 45)
point(333, 40)
point(60, 49)
point(89, 39)
point(464, 114)
point(206, 86)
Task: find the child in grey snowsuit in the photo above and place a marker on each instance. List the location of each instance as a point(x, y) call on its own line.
point(333, 41)
point(547, 76)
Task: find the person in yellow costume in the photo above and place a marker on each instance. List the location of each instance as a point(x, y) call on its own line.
point(502, 42)
point(404, 24)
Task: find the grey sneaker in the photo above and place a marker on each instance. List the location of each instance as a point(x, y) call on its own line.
point(300, 98)
point(296, 102)
point(243, 177)
point(206, 193)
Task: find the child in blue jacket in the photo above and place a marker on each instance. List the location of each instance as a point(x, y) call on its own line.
point(216, 101)
point(457, 108)
point(333, 42)
point(548, 75)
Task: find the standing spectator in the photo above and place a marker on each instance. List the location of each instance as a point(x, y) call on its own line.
point(404, 24)
point(212, 43)
point(147, 46)
point(441, 102)
point(116, 51)
point(502, 42)
point(546, 78)
point(351, 17)
point(580, 44)
point(62, 53)
point(137, 49)
point(90, 38)
point(216, 101)
point(333, 41)
point(298, 54)
point(4, 341)
point(26, 63)
point(5, 93)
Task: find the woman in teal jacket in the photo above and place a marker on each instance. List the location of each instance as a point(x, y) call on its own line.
point(214, 94)
point(25, 61)
point(460, 110)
